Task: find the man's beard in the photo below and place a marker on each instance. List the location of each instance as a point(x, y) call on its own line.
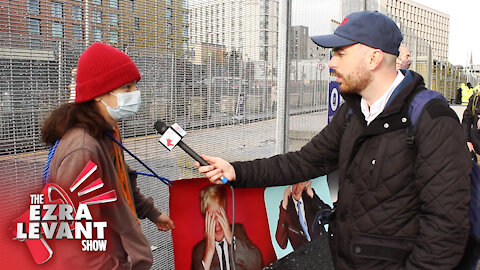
point(354, 83)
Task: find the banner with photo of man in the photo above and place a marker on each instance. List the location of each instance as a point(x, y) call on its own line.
point(266, 222)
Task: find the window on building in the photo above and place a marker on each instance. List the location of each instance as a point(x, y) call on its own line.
point(185, 31)
point(131, 37)
point(57, 10)
point(97, 2)
point(131, 5)
point(114, 3)
point(169, 2)
point(185, 4)
point(113, 36)
point(97, 34)
point(114, 19)
point(34, 6)
point(185, 17)
point(33, 26)
point(168, 14)
point(169, 29)
point(77, 32)
point(184, 45)
point(136, 23)
point(77, 13)
point(35, 44)
point(57, 29)
point(97, 16)
point(169, 43)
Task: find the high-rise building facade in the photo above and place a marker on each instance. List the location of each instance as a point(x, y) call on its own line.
point(299, 40)
point(47, 25)
point(249, 27)
point(422, 27)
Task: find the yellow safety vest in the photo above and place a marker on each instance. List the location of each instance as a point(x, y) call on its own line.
point(466, 94)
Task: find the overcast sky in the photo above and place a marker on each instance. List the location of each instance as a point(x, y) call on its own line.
point(464, 23)
point(464, 28)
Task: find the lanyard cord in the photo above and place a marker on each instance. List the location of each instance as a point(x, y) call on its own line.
point(46, 170)
point(163, 179)
point(51, 152)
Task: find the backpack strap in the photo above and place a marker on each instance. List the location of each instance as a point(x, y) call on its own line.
point(415, 106)
point(348, 117)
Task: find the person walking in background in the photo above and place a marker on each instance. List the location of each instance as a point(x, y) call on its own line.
point(399, 206)
point(105, 92)
point(467, 92)
point(471, 125)
point(213, 252)
point(403, 59)
point(298, 210)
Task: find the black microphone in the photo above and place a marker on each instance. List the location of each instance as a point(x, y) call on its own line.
point(161, 127)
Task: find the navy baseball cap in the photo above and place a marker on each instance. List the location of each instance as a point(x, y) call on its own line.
point(370, 28)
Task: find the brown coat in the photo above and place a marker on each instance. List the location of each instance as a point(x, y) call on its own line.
point(127, 247)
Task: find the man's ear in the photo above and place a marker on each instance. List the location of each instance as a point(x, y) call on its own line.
point(375, 59)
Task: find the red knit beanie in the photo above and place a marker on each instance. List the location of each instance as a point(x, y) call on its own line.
point(102, 68)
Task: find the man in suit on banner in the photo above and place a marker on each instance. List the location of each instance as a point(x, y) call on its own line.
point(298, 213)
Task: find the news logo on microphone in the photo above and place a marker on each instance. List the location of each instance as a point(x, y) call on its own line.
point(172, 136)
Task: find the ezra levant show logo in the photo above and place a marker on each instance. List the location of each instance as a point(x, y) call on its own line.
point(53, 215)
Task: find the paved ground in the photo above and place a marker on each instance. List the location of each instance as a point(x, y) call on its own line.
point(459, 109)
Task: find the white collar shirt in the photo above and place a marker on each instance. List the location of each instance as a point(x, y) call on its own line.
point(378, 106)
point(219, 252)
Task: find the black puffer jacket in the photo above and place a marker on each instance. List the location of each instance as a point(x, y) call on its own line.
point(398, 207)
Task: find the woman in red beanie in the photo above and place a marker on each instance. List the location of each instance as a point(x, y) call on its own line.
point(105, 93)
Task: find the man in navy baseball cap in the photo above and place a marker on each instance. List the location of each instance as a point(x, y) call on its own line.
point(365, 49)
point(402, 203)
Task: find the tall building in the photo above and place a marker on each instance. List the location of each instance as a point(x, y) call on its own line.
point(249, 27)
point(422, 27)
point(299, 40)
point(48, 25)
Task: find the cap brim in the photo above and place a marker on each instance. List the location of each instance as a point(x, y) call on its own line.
point(332, 41)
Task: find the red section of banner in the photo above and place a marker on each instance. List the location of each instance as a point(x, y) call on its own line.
point(189, 222)
point(15, 254)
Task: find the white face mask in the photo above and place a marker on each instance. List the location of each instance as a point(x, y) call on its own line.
point(128, 104)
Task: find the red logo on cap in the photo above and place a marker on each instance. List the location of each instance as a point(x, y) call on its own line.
point(344, 21)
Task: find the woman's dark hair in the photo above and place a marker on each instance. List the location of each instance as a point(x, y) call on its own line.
point(69, 115)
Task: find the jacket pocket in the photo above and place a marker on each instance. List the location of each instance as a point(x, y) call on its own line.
point(375, 164)
point(368, 246)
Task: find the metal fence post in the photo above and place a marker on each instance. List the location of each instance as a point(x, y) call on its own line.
point(282, 128)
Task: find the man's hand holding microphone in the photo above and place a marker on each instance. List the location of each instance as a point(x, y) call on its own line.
point(218, 167)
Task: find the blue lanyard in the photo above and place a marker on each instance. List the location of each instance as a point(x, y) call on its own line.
point(46, 170)
point(163, 179)
point(52, 149)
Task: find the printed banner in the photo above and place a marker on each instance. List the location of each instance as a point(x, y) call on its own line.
point(261, 226)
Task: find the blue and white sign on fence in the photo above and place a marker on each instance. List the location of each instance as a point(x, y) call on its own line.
point(334, 99)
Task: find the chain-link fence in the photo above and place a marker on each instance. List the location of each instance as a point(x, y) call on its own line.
point(227, 71)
